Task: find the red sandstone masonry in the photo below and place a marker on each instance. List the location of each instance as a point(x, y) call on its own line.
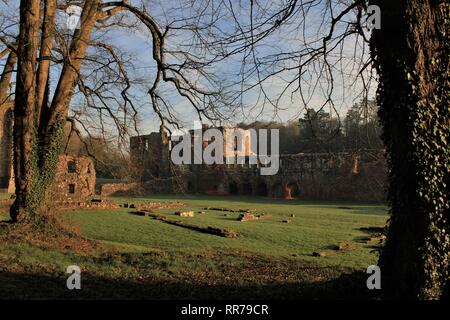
point(111, 189)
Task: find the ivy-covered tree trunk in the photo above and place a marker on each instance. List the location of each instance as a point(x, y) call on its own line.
point(411, 53)
point(39, 122)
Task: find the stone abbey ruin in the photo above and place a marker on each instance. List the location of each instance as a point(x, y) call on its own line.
point(358, 176)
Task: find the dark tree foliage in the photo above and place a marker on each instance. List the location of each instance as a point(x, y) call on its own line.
point(318, 132)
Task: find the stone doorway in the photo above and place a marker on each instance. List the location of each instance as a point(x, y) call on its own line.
point(233, 188)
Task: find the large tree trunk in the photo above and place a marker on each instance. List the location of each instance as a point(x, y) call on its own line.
point(45, 53)
point(411, 53)
point(24, 106)
point(38, 125)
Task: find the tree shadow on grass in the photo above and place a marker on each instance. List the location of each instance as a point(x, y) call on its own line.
point(44, 286)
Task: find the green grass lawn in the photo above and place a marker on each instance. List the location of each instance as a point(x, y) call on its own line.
point(5, 196)
point(315, 227)
point(151, 259)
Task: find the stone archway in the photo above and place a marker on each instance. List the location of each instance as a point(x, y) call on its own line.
point(233, 188)
point(190, 187)
point(292, 191)
point(277, 190)
point(6, 148)
point(261, 189)
point(247, 189)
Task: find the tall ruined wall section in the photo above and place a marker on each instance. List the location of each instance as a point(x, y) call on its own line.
point(6, 129)
point(150, 156)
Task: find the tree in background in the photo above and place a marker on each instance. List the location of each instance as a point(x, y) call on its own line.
point(361, 127)
point(110, 162)
point(320, 132)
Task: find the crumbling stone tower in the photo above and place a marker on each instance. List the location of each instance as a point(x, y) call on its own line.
point(6, 147)
point(150, 155)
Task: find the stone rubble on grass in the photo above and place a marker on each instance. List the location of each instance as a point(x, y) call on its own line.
point(227, 209)
point(319, 254)
point(247, 216)
point(150, 205)
point(185, 214)
point(343, 246)
point(376, 237)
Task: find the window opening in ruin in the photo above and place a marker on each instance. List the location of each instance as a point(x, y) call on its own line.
point(262, 189)
point(247, 188)
point(292, 190)
point(71, 167)
point(233, 188)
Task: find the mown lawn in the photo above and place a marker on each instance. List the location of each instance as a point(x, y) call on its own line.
point(4, 196)
point(141, 257)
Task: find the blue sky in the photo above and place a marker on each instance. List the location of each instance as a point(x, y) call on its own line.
point(292, 37)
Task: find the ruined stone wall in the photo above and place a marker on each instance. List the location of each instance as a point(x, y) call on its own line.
point(231, 142)
point(150, 155)
point(340, 176)
point(118, 189)
point(75, 179)
point(6, 127)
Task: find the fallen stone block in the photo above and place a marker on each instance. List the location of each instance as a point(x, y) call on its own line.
point(185, 214)
point(319, 254)
point(247, 217)
point(343, 246)
point(376, 237)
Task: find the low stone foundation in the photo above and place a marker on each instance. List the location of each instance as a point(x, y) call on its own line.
point(121, 189)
